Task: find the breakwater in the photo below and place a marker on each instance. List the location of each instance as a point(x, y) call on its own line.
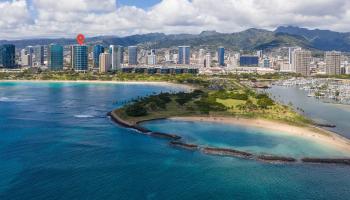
point(275, 159)
point(183, 145)
point(176, 141)
point(325, 125)
point(343, 161)
point(226, 152)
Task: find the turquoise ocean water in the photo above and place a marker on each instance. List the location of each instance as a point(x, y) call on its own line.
point(56, 143)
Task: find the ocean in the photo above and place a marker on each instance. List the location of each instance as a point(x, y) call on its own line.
point(57, 143)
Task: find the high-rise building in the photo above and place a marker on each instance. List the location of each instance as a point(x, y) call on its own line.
point(38, 56)
point(259, 54)
point(207, 61)
point(333, 59)
point(266, 63)
point(98, 49)
point(26, 58)
point(152, 58)
point(221, 56)
point(167, 56)
point(284, 65)
point(71, 57)
point(290, 53)
point(184, 55)
point(7, 56)
point(249, 61)
point(201, 56)
point(113, 52)
point(120, 55)
point(80, 57)
point(301, 62)
point(55, 57)
point(132, 55)
point(105, 62)
point(117, 56)
point(30, 50)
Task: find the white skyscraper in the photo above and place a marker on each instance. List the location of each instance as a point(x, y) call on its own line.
point(333, 59)
point(301, 60)
point(26, 58)
point(290, 53)
point(208, 60)
point(152, 58)
point(201, 56)
point(117, 56)
point(105, 62)
point(259, 54)
point(38, 56)
point(167, 56)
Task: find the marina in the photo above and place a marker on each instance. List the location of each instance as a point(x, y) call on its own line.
point(334, 91)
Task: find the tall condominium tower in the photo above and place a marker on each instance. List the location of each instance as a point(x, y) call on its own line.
point(98, 49)
point(221, 56)
point(207, 60)
point(7, 56)
point(201, 56)
point(26, 58)
point(248, 61)
point(290, 53)
point(55, 57)
point(105, 62)
point(117, 56)
point(80, 58)
point(152, 58)
point(132, 55)
point(38, 56)
point(333, 62)
point(184, 55)
point(301, 62)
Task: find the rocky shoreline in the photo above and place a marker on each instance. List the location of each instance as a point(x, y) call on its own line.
point(175, 141)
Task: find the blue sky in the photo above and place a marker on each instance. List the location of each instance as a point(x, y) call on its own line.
point(65, 18)
point(138, 3)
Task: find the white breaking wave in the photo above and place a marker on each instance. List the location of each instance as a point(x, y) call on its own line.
point(14, 99)
point(84, 116)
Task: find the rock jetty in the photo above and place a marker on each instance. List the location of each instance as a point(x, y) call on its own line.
point(226, 152)
point(343, 161)
point(183, 145)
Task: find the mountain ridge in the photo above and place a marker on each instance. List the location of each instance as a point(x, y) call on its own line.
point(250, 39)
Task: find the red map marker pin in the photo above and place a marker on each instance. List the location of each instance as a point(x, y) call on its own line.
point(81, 39)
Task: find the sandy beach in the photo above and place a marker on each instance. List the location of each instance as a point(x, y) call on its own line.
point(311, 133)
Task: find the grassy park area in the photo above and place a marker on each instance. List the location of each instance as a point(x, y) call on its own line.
point(238, 101)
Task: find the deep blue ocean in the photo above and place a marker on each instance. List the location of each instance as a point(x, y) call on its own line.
point(57, 143)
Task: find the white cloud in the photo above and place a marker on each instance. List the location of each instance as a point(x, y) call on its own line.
point(75, 5)
point(65, 18)
point(13, 13)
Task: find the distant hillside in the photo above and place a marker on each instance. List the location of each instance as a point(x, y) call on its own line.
point(320, 39)
point(124, 41)
point(251, 39)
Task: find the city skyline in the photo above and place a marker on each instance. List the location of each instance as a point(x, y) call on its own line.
point(22, 19)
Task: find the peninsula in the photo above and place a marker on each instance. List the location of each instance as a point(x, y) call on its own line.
point(227, 101)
